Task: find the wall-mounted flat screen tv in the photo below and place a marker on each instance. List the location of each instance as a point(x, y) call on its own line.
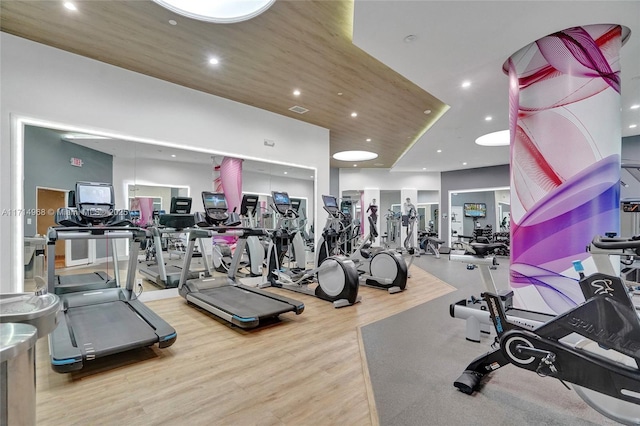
point(475, 210)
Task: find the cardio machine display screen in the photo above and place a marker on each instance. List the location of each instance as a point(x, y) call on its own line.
point(214, 201)
point(281, 198)
point(330, 202)
point(93, 194)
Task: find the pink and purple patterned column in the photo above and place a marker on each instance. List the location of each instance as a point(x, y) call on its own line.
point(564, 119)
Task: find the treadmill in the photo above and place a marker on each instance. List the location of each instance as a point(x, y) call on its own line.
point(243, 306)
point(104, 321)
point(164, 273)
point(90, 280)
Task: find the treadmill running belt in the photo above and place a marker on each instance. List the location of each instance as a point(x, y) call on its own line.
point(243, 303)
point(108, 328)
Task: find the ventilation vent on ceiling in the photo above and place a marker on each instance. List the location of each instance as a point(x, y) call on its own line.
point(298, 109)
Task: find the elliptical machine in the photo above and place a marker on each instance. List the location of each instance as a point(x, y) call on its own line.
point(336, 276)
point(595, 346)
point(222, 254)
point(377, 267)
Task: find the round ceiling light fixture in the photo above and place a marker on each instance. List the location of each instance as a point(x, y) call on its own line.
point(355, 155)
point(217, 11)
point(500, 138)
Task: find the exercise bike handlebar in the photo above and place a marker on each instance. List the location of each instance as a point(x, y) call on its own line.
point(616, 243)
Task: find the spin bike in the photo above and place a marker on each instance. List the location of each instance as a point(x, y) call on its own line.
point(595, 346)
point(336, 277)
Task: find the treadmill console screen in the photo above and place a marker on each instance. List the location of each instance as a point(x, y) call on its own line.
point(330, 203)
point(214, 200)
point(97, 194)
point(281, 201)
point(94, 201)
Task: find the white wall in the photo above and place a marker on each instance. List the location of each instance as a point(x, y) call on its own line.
point(44, 85)
point(197, 177)
point(383, 179)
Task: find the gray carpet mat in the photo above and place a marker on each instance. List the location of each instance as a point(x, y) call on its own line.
point(414, 357)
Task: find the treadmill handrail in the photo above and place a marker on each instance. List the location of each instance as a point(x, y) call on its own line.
point(55, 233)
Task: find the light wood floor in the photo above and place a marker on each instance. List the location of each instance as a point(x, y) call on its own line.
point(305, 370)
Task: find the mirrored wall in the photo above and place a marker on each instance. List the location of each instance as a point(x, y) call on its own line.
point(55, 159)
point(479, 210)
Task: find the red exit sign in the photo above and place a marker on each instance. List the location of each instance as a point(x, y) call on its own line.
point(76, 162)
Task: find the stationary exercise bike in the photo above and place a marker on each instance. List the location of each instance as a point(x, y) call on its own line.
point(334, 279)
point(595, 346)
point(377, 267)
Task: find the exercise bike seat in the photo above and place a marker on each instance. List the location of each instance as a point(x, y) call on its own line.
point(484, 249)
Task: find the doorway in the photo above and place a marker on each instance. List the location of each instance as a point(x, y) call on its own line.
point(48, 201)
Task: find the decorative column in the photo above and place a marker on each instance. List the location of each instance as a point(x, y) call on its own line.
point(227, 178)
point(564, 119)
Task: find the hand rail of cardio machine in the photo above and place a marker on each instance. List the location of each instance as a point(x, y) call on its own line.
point(616, 243)
point(96, 232)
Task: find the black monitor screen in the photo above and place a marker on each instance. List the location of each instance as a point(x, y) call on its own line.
point(295, 204)
point(98, 194)
point(180, 205)
point(330, 202)
point(475, 209)
point(281, 198)
point(213, 200)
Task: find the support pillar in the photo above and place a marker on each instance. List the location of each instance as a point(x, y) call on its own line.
point(564, 119)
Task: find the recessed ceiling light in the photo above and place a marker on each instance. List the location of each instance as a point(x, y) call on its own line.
point(424, 168)
point(70, 5)
point(173, 156)
point(633, 126)
point(464, 164)
point(354, 114)
point(636, 106)
point(311, 177)
point(439, 150)
point(488, 118)
point(368, 139)
point(355, 165)
point(296, 92)
point(410, 38)
point(355, 155)
point(221, 12)
point(427, 111)
point(339, 93)
point(286, 173)
point(466, 84)
point(500, 138)
point(214, 61)
point(172, 22)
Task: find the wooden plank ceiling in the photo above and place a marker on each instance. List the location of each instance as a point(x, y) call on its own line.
point(302, 45)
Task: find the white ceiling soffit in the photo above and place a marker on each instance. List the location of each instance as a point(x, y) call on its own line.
point(470, 40)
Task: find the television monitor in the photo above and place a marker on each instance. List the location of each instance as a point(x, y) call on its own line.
point(475, 210)
point(295, 204)
point(214, 200)
point(180, 205)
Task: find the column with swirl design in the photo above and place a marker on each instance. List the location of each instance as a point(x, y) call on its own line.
point(564, 119)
